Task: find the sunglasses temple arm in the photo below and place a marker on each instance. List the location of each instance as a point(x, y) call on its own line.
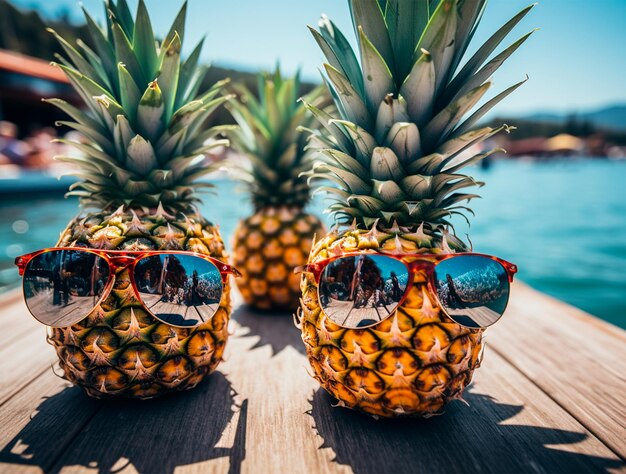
point(512, 270)
point(301, 269)
point(313, 268)
point(229, 270)
point(21, 263)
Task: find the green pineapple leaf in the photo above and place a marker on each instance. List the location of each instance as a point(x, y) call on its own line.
point(144, 42)
point(376, 74)
point(368, 19)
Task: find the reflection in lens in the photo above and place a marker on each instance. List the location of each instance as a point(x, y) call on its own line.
point(62, 286)
point(473, 290)
point(362, 290)
point(181, 290)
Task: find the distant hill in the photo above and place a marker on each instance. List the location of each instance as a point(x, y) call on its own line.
point(609, 118)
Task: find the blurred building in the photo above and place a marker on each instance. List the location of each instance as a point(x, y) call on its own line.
point(564, 144)
point(24, 81)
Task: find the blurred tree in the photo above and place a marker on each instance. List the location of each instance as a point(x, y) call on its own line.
point(24, 31)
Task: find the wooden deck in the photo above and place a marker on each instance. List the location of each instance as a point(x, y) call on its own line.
point(550, 397)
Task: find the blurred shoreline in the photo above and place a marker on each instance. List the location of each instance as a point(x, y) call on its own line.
point(560, 221)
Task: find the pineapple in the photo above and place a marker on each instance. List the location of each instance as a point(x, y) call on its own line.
point(269, 244)
point(394, 151)
point(143, 151)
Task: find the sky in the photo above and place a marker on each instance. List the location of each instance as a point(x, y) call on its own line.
point(576, 61)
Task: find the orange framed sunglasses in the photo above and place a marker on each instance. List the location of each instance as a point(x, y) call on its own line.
point(62, 285)
point(359, 290)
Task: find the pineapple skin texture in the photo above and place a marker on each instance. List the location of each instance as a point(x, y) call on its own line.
point(411, 364)
point(267, 246)
point(119, 349)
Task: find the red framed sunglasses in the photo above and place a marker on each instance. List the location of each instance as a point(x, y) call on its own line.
point(62, 285)
point(359, 290)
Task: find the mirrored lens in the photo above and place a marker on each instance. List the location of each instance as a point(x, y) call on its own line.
point(62, 286)
point(181, 290)
point(473, 290)
point(362, 290)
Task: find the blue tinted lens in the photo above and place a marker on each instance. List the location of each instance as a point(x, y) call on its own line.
point(362, 290)
point(181, 290)
point(473, 290)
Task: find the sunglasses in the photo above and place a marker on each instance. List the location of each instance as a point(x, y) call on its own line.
point(63, 285)
point(361, 290)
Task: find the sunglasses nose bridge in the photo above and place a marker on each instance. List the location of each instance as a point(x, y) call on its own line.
point(121, 262)
point(420, 266)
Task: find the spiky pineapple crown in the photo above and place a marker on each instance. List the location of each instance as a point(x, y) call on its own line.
point(396, 145)
point(144, 119)
point(269, 136)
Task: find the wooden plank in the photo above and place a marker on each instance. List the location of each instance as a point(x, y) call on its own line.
point(23, 359)
point(199, 427)
point(40, 422)
point(509, 426)
point(49, 420)
point(24, 352)
point(194, 432)
point(267, 365)
point(261, 412)
point(575, 358)
point(14, 317)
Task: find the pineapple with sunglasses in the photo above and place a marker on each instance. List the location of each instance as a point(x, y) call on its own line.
point(145, 313)
point(394, 307)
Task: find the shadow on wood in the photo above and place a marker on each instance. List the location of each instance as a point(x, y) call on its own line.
point(474, 438)
point(275, 329)
point(152, 436)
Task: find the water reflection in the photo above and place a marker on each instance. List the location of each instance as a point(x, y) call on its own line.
point(182, 290)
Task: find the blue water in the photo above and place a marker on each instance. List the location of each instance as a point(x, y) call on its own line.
point(563, 223)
